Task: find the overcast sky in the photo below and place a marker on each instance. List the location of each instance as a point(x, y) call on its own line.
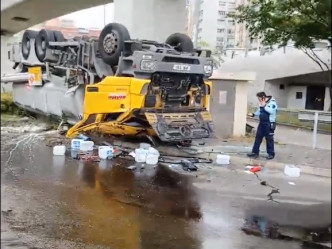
point(92, 17)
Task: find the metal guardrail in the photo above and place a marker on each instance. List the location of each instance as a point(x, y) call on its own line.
point(292, 118)
point(310, 119)
point(324, 117)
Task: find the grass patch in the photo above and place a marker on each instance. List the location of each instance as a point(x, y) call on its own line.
point(8, 106)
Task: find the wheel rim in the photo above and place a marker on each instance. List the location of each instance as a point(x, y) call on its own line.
point(110, 43)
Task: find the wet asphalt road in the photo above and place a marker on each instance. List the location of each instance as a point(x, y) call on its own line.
point(60, 202)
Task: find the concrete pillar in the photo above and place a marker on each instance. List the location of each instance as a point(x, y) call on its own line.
point(229, 103)
point(327, 99)
point(6, 65)
point(151, 19)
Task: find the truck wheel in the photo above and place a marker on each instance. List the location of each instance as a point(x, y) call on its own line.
point(58, 36)
point(111, 42)
point(42, 43)
point(180, 42)
point(26, 42)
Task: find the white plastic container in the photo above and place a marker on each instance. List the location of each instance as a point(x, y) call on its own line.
point(292, 171)
point(140, 155)
point(152, 159)
point(105, 152)
point(59, 150)
point(75, 143)
point(223, 159)
point(144, 146)
point(86, 145)
point(152, 156)
point(153, 151)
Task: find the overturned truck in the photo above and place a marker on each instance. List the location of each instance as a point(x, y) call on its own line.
point(113, 84)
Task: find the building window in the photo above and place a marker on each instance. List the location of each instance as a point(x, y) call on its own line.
point(221, 13)
point(220, 39)
point(221, 22)
point(282, 87)
point(222, 3)
point(298, 95)
point(230, 31)
point(201, 12)
point(220, 30)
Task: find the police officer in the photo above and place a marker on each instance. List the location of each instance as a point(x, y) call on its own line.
point(267, 116)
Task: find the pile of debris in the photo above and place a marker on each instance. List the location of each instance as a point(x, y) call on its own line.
point(83, 148)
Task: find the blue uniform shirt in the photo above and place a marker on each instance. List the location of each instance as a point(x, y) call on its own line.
point(267, 113)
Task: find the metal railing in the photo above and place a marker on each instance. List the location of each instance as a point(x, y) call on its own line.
point(300, 119)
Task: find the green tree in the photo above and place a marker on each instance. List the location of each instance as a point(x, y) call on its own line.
point(281, 21)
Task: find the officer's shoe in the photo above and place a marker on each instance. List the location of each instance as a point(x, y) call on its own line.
point(252, 155)
point(269, 157)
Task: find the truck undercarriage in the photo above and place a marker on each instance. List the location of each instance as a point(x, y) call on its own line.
point(115, 85)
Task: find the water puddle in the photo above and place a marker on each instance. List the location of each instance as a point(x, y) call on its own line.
point(106, 205)
point(311, 227)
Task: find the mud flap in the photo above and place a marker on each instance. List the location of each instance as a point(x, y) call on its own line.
point(177, 127)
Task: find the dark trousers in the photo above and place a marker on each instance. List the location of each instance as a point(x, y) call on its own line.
point(264, 130)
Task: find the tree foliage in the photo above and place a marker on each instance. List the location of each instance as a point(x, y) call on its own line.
point(281, 21)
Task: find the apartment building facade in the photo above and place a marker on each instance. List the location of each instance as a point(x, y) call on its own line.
point(214, 29)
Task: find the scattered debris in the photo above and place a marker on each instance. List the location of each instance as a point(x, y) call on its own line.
point(292, 171)
point(6, 211)
point(133, 154)
point(274, 190)
point(260, 226)
point(223, 159)
point(59, 150)
point(105, 152)
point(86, 145)
point(255, 169)
point(132, 167)
point(90, 158)
point(83, 137)
point(76, 143)
point(188, 166)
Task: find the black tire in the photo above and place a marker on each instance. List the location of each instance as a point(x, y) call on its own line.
point(26, 42)
point(180, 42)
point(58, 36)
point(111, 42)
point(42, 43)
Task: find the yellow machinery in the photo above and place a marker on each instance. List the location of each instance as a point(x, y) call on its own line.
point(117, 106)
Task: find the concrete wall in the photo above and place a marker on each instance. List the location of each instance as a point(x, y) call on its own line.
point(151, 19)
point(327, 99)
point(292, 102)
point(280, 95)
point(240, 108)
point(276, 66)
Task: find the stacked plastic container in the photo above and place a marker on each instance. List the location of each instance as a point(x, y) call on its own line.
point(146, 154)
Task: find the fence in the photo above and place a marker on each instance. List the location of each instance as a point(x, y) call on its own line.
point(291, 118)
